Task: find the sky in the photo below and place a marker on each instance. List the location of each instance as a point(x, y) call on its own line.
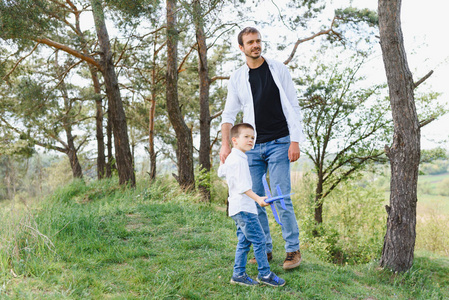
point(425, 39)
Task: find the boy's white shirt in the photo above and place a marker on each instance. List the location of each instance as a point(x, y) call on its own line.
point(236, 171)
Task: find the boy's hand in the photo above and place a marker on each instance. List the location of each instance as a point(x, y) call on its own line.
point(261, 201)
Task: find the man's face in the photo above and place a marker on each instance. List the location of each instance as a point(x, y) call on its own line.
point(252, 45)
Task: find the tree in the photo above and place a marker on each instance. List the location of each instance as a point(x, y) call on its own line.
point(203, 72)
point(117, 113)
point(345, 124)
point(43, 107)
point(184, 148)
point(404, 153)
point(43, 20)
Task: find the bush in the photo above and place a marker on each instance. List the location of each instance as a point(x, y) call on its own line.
point(354, 222)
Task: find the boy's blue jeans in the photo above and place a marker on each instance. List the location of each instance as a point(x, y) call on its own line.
point(273, 156)
point(249, 232)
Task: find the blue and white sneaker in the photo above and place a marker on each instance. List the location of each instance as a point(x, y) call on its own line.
point(243, 280)
point(271, 280)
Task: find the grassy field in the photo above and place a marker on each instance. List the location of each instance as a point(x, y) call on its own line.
point(102, 241)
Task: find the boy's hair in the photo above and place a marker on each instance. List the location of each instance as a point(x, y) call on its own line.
point(246, 30)
point(236, 129)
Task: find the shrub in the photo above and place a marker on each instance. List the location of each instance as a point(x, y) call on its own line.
point(354, 222)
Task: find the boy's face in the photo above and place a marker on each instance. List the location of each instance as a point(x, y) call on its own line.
point(245, 141)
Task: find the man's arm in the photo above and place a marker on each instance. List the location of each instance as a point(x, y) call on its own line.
point(225, 141)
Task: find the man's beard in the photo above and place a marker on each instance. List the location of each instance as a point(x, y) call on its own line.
point(254, 55)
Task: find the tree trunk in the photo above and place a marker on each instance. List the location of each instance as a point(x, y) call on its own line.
point(101, 160)
point(318, 205)
point(203, 71)
point(117, 113)
point(152, 113)
point(111, 164)
point(184, 151)
point(71, 152)
point(151, 149)
point(404, 154)
point(319, 193)
point(69, 147)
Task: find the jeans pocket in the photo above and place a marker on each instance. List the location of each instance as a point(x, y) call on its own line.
point(283, 140)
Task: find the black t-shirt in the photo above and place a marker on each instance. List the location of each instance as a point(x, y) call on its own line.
point(269, 117)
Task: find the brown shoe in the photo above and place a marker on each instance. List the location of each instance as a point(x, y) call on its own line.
point(253, 260)
point(293, 260)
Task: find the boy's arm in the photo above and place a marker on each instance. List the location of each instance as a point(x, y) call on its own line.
point(257, 198)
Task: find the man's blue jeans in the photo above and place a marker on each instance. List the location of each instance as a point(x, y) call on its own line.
point(273, 157)
point(249, 232)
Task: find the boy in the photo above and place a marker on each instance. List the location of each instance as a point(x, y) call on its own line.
point(243, 210)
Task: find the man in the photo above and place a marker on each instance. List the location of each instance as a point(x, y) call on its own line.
point(263, 89)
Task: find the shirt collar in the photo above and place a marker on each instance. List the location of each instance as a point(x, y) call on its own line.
point(266, 59)
point(239, 153)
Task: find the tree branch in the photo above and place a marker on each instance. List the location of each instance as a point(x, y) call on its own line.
point(216, 115)
point(87, 58)
point(423, 79)
point(185, 58)
point(218, 78)
point(19, 61)
point(322, 32)
point(425, 122)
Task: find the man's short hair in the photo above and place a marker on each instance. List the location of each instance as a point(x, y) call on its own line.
point(246, 30)
point(236, 129)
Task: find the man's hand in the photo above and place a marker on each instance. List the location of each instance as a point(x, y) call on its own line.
point(224, 152)
point(225, 141)
point(293, 152)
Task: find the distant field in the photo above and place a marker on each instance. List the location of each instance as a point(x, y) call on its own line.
point(433, 178)
point(433, 203)
point(429, 194)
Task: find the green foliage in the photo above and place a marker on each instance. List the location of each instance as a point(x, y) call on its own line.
point(346, 121)
point(429, 107)
point(434, 168)
point(434, 162)
point(203, 178)
point(354, 15)
point(33, 22)
point(353, 230)
point(219, 191)
point(428, 156)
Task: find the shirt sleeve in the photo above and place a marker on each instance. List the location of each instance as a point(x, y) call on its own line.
point(221, 171)
point(290, 91)
point(232, 105)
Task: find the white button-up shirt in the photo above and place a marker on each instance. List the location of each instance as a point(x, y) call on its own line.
point(240, 98)
point(236, 171)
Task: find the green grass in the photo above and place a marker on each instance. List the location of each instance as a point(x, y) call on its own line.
point(101, 241)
